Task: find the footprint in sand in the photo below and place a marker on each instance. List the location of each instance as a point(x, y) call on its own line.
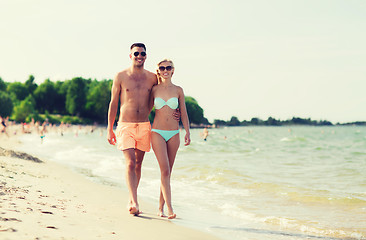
point(9, 219)
point(8, 230)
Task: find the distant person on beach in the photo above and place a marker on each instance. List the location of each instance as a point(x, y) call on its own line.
point(42, 132)
point(61, 127)
point(165, 130)
point(3, 126)
point(205, 134)
point(132, 87)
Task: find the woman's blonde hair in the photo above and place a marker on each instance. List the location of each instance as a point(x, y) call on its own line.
point(163, 61)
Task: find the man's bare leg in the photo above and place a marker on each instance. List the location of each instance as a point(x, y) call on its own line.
point(139, 156)
point(131, 180)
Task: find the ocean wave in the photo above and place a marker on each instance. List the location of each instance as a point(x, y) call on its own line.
point(313, 229)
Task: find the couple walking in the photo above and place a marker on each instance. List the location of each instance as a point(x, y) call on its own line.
point(138, 90)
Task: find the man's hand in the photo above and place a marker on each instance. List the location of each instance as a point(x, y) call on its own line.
point(111, 138)
point(176, 114)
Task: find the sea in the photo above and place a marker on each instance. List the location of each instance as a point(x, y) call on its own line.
point(280, 183)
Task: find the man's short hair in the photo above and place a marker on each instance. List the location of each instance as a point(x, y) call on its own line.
point(138, 45)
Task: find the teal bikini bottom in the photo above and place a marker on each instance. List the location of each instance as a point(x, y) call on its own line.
point(166, 134)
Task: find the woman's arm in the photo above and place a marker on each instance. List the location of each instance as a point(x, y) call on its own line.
point(184, 116)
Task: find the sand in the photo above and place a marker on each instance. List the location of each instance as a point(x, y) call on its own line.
point(40, 199)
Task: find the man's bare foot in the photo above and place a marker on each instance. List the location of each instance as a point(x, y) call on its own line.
point(134, 211)
point(172, 216)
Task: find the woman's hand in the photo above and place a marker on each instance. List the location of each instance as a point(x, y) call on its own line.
point(187, 139)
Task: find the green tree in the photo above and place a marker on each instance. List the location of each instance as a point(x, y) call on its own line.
point(30, 84)
point(195, 112)
point(272, 122)
point(60, 98)
point(45, 96)
point(152, 115)
point(325, 123)
point(301, 121)
point(219, 122)
point(97, 100)
point(2, 85)
point(6, 104)
point(256, 121)
point(205, 121)
point(17, 91)
point(76, 96)
point(234, 121)
point(24, 109)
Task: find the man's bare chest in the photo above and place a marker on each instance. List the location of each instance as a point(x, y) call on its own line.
point(137, 88)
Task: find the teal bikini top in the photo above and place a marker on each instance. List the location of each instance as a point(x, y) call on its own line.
point(172, 103)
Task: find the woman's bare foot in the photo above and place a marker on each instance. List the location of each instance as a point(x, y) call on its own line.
point(172, 216)
point(161, 213)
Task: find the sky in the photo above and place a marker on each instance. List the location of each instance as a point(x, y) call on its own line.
point(258, 58)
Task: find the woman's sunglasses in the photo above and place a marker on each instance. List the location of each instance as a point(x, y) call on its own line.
point(168, 68)
point(137, 53)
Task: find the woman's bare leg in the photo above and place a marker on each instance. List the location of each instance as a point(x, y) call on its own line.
point(172, 147)
point(162, 152)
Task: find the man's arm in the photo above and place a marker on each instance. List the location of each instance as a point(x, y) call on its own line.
point(151, 98)
point(177, 114)
point(112, 111)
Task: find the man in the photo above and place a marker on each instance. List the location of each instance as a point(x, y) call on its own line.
point(132, 87)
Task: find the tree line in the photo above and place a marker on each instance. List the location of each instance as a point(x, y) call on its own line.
point(234, 121)
point(77, 101)
point(85, 101)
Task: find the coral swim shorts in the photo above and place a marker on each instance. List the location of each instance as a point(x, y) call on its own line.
point(134, 135)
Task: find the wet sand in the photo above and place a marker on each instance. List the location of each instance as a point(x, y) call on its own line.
point(40, 199)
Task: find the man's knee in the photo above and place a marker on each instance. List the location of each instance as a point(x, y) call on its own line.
point(138, 165)
point(139, 158)
point(130, 165)
point(130, 160)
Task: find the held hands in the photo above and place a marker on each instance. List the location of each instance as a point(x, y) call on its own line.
point(111, 138)
point(187, 139)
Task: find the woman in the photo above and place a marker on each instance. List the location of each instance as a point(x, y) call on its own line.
point(165, 129)
point(3, 126)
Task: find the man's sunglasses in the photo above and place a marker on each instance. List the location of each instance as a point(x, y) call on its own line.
point(168, 68)
point(137, 53)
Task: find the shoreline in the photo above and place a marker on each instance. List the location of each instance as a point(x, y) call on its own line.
point(48, 200)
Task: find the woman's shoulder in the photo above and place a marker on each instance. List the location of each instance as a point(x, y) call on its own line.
point(179, 89)
point(155, 88)
point(175, 87)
